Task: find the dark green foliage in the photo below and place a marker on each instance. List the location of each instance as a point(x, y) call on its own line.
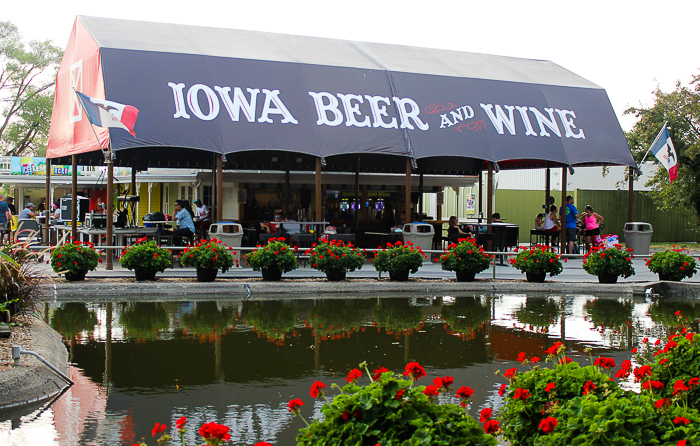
point(540, 259)
point(276, 254)
point(399, 257)
point(620, 419)
point(74, 258)
point(72, 319)
point(611, 261)
point(373, 415)
point(465, 256)
point(673, 264)
point(335, 256)
point(19, 279)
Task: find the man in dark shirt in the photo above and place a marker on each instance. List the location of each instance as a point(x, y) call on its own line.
point(10, 204)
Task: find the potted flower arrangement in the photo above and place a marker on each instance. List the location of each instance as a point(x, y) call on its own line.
point(74, 259)
point(208, 256)
point(466, 259)
point(537, 262)
point(145, 258)
point(273, 260)
point(399, 260)
point(608, 264)
point(672, 264)
point(335, 258)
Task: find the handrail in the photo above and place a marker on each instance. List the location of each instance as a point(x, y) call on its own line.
point(17, 352)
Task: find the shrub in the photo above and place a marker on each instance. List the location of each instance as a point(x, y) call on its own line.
point(146, 255)
point(209, 254)
point(534, 395)
point(537, 260)
point(19, 279)
point(276, 254)
point(74, 258)
point(335, 255)
point(465, 256)
point(611, 261)
point(628, 418)
point(390, 411)
point(398, 257)
point(672, 264)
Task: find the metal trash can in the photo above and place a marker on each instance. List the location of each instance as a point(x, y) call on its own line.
point(420, 234)
point(228, 232)
point(638, 237)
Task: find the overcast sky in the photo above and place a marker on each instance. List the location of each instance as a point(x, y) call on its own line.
point(626, 47)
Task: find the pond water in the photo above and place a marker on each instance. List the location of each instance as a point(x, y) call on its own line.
point(240, 362)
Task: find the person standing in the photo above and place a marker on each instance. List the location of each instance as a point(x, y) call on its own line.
point(591, 224)
point(203, 221)
point(571, 216)
point(5, 218)
point(10, 204)
point(184, 219)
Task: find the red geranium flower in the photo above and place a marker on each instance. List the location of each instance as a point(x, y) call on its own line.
point(653, 385)
point(549, 387)
point(431, 390)
point(521, 356)
point(294, 405)
point(399, 394)
point(353, 375)
point(316, 389)
point(502, 390)
point(521, 394)
point(681, 420)
point(215, 431)
point(444, 383)
point(553, 350)
point(486, 415)
point(588, 387)
point(548, 424)
point(491, 427)
point(262, 443)
point(378, 373)
point(510, 373)
point(157, 429)
point(679, 386)
point(605, 363)
point(180, 423)
point(465, 392)
point(414, 370)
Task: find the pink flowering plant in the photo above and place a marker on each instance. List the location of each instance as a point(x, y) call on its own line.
point(673, 264)
point(145, 254)
point(537, 260)
point(335, 255)
point(209, 254)
point(398, 257)
point(276, 254)
point(465, 256)
point(384, 408)
point(611, 261)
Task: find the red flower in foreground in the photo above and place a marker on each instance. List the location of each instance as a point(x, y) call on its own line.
point(262, 443)
point(465, 392)
point(485, 415)
point(679, 386)
point(588, 387)
point(662, 402)
point(414, 370)
point(157, 429)
point(316, 389)
point(681, 443)
point(491, 427)
point(681, 420)
point(378, 373)
point(605, 363)
point(399, 394)
point(521, 394)
point(502, 390)
point(180, 423)
point(521, 356)
point(548, 424)
point(215, 430)
point(641, 372)
point(353, 375)
point(654, 385)
point(549, 387)
point(443, 383)
point(553, 350)
point(431, 390)
point(294, 405)
point(510, 373)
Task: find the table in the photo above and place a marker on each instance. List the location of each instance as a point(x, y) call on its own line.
point(386, 237)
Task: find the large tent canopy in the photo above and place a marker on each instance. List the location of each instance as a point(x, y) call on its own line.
point(273, 101)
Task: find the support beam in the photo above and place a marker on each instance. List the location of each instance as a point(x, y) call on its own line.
point(407, 207)
point(562, 210)
point(219, 188)
point(74, 199)
point(547, 188)
point(319, 198)
point(287, 208)
point(420, 197)
point(213, 211)
point(358, 204)
point(481, 195)
point(630, 211)
point(110, 212)
point(47, 191)
point(489, 204)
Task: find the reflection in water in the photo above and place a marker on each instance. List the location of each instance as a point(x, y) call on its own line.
point(240, 362)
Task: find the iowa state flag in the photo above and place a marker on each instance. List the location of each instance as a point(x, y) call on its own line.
point(665, 153)
point(104, 113)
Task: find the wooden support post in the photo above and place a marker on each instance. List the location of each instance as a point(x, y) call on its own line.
point(74, 199)
point(219, 188)
point(547, 189)
point(214, 211)
point(319, 198)
point(630, 211)
point(286, 209)
point(481, 195)
point(110, 212)
point(47, 232)
point(358, 205)
point(562, 210)
point(407, 208)
point(420, 197)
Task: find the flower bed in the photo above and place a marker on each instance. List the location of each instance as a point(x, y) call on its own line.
point(145, 255)
point(611, 261)
point(673, 264)
point(209, 254)
point(399, 257)
point(276, 254)
point(74, 258)
point(465, 256)
point(335, 256)
point(538, 260)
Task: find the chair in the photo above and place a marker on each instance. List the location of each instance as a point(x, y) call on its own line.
point(27, 231)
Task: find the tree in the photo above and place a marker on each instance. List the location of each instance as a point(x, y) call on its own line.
point(681, 108)
point(27, 78)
